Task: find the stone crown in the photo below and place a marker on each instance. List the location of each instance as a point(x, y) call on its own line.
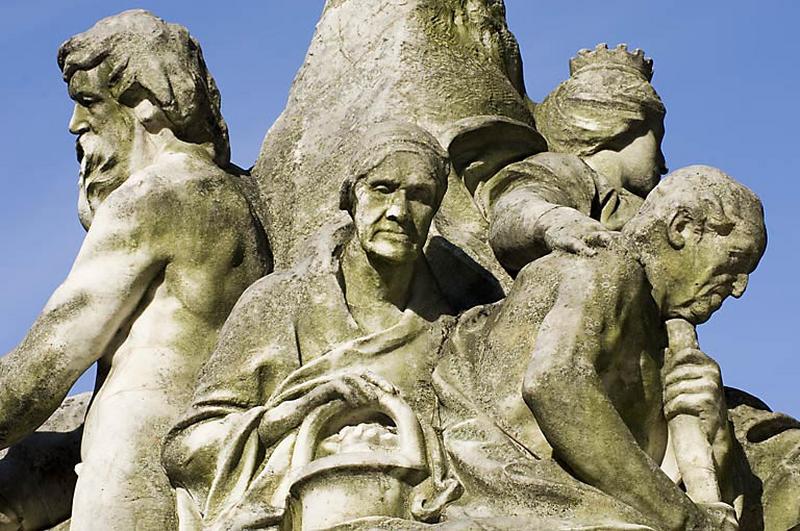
point(616, 58)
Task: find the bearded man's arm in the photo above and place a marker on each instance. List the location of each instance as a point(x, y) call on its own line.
point(116, 264)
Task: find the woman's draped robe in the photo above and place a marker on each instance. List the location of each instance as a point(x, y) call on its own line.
point(290, 332)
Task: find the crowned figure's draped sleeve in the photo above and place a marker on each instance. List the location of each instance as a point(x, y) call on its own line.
point(550, 180)
point(289, 333)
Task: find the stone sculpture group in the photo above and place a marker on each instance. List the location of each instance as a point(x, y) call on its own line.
point(432, 303)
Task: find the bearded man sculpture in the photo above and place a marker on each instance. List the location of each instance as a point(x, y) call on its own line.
point(171, 245)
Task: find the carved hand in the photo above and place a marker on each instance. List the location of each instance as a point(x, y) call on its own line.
point(357, 389)
point(693, 386)
point(566, 229)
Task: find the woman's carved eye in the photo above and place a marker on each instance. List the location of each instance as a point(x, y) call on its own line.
point(383, 187)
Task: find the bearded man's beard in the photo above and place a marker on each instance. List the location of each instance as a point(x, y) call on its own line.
point(100, 174)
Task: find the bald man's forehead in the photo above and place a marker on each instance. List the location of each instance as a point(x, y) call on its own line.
point(749, 239)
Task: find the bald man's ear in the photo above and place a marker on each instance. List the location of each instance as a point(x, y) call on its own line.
point(683, 226)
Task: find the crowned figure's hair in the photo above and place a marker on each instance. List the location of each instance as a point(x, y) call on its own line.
point(607, 101)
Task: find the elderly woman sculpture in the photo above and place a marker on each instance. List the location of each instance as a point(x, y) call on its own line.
point(347, 341)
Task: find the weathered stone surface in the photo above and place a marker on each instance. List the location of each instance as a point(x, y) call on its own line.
point(768, 465)
point(172, 242)
point(429, 62)
point(563, 387)
point(377, 380)
point(315, 409)
point(37, 475)
point(604, 126)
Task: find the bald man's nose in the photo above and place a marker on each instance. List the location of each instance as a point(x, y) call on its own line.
point(739, 285)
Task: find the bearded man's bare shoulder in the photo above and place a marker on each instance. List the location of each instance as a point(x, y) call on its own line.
point(174, 198)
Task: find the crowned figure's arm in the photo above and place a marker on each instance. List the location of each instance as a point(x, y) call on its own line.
point(603, 128)
point(529, 203)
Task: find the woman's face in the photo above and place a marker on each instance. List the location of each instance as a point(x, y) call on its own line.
point(642, 162)
point(394, 207)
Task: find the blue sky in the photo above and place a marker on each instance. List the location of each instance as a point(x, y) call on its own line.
point(726, 70)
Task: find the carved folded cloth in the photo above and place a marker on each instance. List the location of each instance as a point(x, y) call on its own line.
point(293, 332)
point(769, 465)
point(564, 180)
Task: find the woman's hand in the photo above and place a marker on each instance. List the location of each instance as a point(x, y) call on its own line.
point(356, 388)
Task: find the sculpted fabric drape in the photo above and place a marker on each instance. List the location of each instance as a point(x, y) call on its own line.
point(231, 477)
